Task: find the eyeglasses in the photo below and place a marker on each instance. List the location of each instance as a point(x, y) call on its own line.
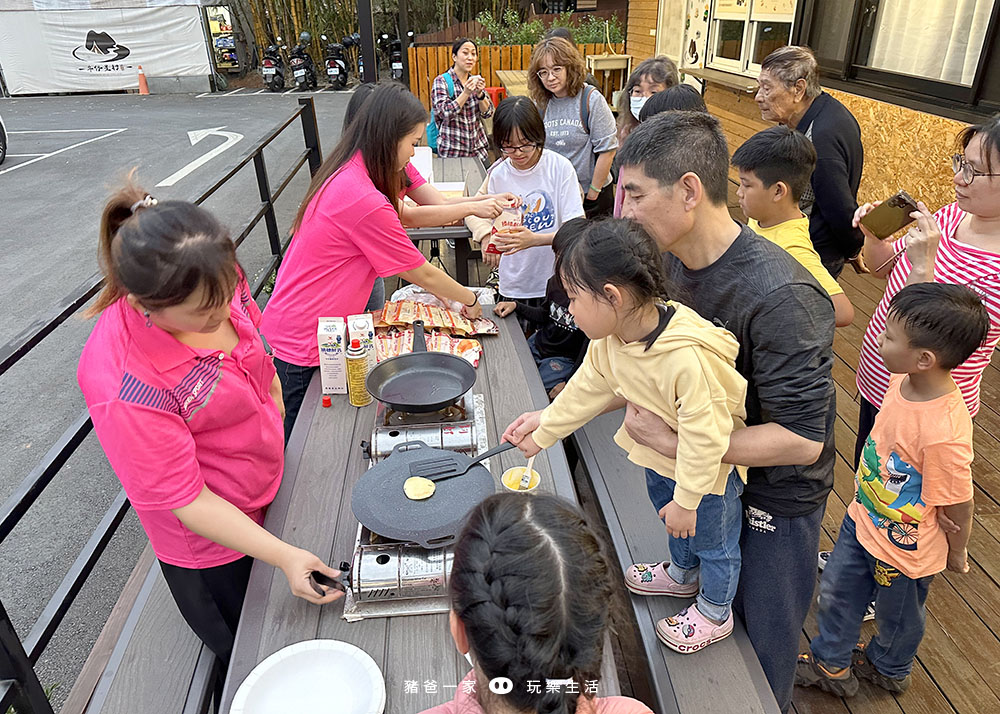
point(556, 71)
point(960, 165)
point(510, 150)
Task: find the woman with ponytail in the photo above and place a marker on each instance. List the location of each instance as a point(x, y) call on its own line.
point(346, 234)
point(532, 594)
point(662, 356)
point(187, 407)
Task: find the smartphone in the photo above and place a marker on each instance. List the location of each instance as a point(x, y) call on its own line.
point(891, 215)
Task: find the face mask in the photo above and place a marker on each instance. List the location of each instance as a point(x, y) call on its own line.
point(637, 103)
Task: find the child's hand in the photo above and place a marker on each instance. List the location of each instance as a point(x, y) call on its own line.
point(515, 239)
point(528, 446)
point(946, 524)
point(521, 427)
point(680, 522)
point(502, 309)
point(958, 560)
point(492, 260)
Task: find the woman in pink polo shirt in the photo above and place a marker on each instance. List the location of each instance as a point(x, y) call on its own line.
point(347, 233)
point(187, 407)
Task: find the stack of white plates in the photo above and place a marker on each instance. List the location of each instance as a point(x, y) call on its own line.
point(313, 676)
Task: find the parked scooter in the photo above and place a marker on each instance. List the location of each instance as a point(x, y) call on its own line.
point(396, 59)
point(303, 69)
point(356, 37)
point(336, 64)
point(272, 68)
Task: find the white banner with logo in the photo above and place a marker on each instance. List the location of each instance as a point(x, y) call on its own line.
point(99, 50)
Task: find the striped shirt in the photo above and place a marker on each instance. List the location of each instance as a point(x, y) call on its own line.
point(956, 263)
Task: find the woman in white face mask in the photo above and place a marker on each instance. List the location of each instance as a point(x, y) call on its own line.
point(653, 75)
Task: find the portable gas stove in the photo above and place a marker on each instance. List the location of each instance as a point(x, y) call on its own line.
point(392, 577)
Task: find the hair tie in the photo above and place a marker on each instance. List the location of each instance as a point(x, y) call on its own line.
point(143, 203)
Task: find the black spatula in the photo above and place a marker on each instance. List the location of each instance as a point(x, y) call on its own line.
point(442, 467)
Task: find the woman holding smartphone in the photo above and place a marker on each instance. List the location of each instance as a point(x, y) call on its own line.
point(959, 244)
point(459, 103)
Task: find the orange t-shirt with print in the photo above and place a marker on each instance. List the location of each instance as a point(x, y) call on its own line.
point(917, 458)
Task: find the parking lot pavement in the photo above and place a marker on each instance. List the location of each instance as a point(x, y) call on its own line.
point(66, 154)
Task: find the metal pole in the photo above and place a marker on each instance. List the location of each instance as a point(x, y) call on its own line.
point(264, 187)
point(404, 40)
point(310, 131)
point(367, 31)
point(14, 665)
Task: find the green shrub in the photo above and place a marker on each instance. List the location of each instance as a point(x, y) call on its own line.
point(508, 29)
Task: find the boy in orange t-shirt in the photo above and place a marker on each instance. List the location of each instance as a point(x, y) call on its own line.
point(916, 462)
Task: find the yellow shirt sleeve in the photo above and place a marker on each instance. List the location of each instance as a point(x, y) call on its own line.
point(793, 237)
point(585, 396)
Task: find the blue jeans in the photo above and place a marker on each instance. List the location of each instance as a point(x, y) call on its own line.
point(377, 299)
point(552, 370)
point(851, 579)
point(715, 548)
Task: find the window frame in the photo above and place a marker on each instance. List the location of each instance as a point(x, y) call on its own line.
point(744, 65)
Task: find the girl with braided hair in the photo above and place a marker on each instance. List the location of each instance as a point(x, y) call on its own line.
point(660, 355)
point(519, 568)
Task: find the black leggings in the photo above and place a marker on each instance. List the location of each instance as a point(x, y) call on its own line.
point(210, 600)
point(294, 383)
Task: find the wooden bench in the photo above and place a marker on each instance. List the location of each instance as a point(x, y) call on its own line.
point(146, 658)
point(724, 678)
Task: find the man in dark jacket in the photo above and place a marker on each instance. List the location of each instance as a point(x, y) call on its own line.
point(790, 94)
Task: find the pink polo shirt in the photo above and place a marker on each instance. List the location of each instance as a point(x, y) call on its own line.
point(350, 234)
point(173, 419)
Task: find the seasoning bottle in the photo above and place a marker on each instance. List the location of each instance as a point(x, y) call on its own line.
point(510, 217)
point(357, 372)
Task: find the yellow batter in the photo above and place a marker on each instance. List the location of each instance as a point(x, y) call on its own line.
point(512, 478)
point(418, 488)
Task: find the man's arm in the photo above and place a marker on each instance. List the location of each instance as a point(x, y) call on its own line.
point(834, 197)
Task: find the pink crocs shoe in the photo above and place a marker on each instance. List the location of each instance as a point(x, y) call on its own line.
point(689, 631)
point(653, 579)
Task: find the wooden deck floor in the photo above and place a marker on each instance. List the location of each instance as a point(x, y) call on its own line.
point(958, 665)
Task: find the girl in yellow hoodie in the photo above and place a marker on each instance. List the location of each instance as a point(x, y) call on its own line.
point(663, 356)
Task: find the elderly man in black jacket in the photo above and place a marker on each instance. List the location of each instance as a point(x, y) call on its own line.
point(790, 94)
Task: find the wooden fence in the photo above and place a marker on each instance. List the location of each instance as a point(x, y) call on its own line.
point(426, 63)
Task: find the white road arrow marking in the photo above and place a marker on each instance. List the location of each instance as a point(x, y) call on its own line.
point(232, 138)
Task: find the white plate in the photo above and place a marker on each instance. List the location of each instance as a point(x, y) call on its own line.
point(300, 73)
point(268, 71)
point(332, 70)
point(313, 676)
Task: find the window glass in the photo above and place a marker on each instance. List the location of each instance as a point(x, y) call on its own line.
point(729, 39)
point(769, 36)
point(830, 30)
point(940, 40)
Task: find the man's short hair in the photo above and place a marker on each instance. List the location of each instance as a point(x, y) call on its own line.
point(792, 63)
point(949, 320)
point(778, 154)
point(671, 144)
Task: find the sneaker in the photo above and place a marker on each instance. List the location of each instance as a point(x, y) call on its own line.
point(863, 668)
point(824, 556)
point(653, 579)
point(689, 631)
point(809, 673)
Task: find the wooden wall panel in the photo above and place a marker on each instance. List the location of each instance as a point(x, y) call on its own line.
point(641, 19)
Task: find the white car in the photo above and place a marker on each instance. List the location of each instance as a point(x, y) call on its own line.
point(3, 141)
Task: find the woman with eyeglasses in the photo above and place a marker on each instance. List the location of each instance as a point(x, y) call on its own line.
point(959, 244)
point(578, 121)
point(550, 196)
point(653, 75)
point(459, 103)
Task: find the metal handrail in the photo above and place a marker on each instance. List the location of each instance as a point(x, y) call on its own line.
point(19, 684)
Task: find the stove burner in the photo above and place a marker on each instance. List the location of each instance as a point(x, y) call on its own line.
point(453, 413)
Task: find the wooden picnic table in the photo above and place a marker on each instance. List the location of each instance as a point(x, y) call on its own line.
point(312, 510)
point(470, 172)
point(515, 81)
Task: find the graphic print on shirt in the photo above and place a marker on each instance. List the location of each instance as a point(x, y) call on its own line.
point(186, 399)
point(891, 493)
point(539, 210)
point(561, 317)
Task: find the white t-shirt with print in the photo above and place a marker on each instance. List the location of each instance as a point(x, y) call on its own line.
point(550, 196)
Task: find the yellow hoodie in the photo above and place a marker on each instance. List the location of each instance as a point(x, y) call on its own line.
point(687, 377)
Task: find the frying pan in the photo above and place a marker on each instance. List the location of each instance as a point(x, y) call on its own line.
point(420, 381)
point(379, 504)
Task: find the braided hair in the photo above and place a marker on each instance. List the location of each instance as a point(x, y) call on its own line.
point(615, 251)
point(532, 584)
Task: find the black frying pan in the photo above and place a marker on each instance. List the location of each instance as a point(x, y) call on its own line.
point(421, 381)
point(379, 504)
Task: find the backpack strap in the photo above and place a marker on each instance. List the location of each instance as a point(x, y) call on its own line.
point(585, 106)
point(451, 84)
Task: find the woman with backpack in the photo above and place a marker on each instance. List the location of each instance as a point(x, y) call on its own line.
point(578, 121)
point(459, 103)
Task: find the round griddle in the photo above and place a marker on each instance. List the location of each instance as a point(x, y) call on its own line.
point(380, 505)
point(420, 381)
